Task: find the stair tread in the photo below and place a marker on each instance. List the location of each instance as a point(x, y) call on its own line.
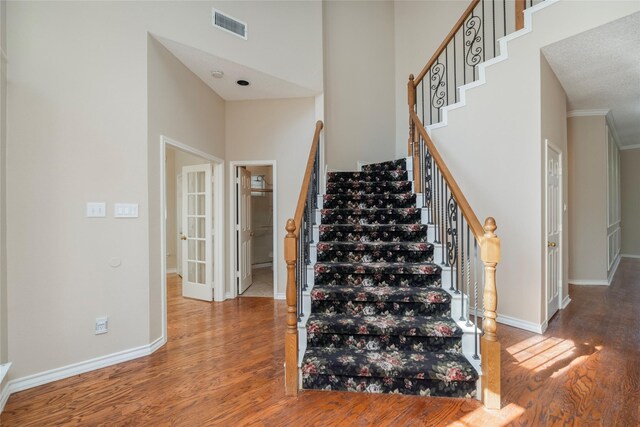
point(419, 326)
point(379, 267)
point(374, 246)
point(373, 227)
point(386, 165)
point(430, 295)
point(444, 366)
point(387, 175)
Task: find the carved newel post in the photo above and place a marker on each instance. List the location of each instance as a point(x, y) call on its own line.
point(412, 146)
point(490, 347)
point(291, 334)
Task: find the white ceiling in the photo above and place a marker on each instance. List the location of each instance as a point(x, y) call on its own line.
point(262, 86)
point(600, 69)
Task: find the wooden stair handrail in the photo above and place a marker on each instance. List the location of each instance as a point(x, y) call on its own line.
point(446, 41)
point(307, 178)
point(463, 204)
point(291, 258)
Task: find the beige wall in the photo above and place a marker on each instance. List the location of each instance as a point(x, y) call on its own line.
point(630, 182)
point(279, 130)
point(359, 75)
point(505, 181)
point(587, 198)
point(186, 110)
point(91, 137)
point(553, 116)
point(420, 27)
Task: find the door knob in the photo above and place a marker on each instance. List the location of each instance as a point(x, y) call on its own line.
point(551, 244)
point(183, 237)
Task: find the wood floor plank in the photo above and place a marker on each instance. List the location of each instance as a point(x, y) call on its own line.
point(585, 370)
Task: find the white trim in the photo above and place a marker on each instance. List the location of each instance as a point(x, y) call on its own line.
point(630, 147)
point(218, 221)
point(281, 295)
point(4, 396)
point(522, 324)
point(565, 302)
point(589, 282)
point(4, 369)
point(629, 256)
point(233, 165)
point(613, 270)
point(56, 374)
point(262, 265)
point(586, 113)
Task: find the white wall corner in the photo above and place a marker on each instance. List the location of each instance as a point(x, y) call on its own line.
point(612, 273)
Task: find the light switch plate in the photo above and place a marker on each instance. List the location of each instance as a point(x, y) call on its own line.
point(96, 210)
point(125, 210)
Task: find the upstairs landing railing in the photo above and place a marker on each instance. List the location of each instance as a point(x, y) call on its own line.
point(296, 254)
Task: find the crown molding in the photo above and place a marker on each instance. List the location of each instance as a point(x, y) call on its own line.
point(583, 113)
point(629, 147)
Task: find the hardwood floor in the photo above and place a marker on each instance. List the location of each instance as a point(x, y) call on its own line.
point(585, 370)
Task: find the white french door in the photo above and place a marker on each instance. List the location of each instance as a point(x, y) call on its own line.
point(245, 277)
point(554, 230)
point(197, 226)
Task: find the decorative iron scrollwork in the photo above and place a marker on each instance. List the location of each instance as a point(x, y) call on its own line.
point(438, 85)
point(473, 45)
point(427, 179)
point(452, 230)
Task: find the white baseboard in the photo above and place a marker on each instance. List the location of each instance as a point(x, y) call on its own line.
point(228, 295)
point(281, 295)
point(565, 302)
point(56, 374)
point(588, 282)
point(629, 256)
point(522, 324)
point(262, 265)
point(612, 273)
point(172, 271)
point(4, 396)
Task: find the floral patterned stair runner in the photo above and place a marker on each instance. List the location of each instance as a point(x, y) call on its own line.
point(379, 320)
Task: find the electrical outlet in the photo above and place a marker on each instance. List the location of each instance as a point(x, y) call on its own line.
point(102, 325)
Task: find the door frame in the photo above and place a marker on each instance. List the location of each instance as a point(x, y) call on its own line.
point(218, 220)
point(233, 209)
point(550, 145)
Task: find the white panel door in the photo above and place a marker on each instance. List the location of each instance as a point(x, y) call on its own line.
point(197, 239)
point(554, 230)
point(245, 278)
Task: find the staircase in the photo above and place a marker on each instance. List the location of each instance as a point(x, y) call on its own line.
point(380, 321)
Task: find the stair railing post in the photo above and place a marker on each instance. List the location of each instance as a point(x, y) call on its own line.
point(520, 6)
point(490, 346)
point(413, 150)
point(291, 334)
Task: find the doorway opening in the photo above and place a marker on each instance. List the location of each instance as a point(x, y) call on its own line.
point(254, 246)
point(192, 213)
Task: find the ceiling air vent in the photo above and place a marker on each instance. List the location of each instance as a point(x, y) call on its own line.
point(229, 24)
